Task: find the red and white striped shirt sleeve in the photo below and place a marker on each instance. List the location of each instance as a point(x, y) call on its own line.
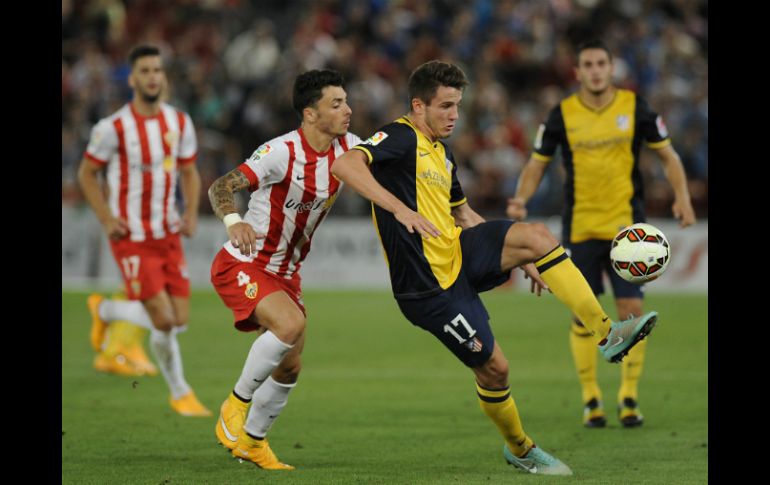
point(267, 165)
point(103, 142)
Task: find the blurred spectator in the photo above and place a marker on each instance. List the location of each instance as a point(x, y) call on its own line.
point(233, 62)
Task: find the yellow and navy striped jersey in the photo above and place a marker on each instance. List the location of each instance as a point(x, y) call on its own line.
point(423, 175)
point(600, 148)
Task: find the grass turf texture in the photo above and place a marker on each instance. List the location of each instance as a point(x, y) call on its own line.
point(380, 401)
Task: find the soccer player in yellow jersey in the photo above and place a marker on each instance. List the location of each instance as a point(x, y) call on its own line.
point(441, 254)
point(600, 130)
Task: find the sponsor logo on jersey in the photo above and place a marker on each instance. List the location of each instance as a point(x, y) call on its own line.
point(375, 139)
point(623, 122)
point(171, 138)
point(261, 152)
point(311, 205)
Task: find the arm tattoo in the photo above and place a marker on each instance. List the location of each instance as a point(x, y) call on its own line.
point(222, 190)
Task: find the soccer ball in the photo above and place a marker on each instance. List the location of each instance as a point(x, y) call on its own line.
point(640, 253)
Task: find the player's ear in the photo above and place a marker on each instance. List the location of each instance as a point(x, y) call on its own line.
point(309, 114)
point(131, 81)
point(418, 106)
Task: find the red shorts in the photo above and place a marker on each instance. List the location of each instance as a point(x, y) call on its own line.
point(242, 286)
point(150, 266)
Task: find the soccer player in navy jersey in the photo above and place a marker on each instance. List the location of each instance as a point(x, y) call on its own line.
point(441, 254)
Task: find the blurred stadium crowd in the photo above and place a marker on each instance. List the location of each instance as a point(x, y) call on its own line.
point(231, 65)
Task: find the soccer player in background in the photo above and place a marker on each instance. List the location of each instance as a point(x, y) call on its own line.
point(146, 147)
point(441, 254)
point(600, 130)
point(256, 273)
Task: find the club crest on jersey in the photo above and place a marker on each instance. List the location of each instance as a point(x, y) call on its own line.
point(261, 152)
point(623, 122)
point(251, 290)
point(375, 139)
point(171, 137)
point(474, 344)
point(662, 130)
point(136, 287)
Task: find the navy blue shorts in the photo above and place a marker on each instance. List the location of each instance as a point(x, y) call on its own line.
point(592, 258)
point(456, 316)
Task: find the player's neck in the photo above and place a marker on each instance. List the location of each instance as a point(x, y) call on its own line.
point(318, 140)
point(597, 101)
point(145, 108)
point(423, 127)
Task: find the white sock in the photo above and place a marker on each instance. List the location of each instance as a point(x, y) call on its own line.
point(266, 404)
point(166, 350)
point(133, 311)
point(265, 355)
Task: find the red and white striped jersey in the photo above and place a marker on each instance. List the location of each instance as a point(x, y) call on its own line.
point(292, 191)
point(141, 154)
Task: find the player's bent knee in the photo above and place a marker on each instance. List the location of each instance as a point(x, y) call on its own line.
point(493, 374)
point(538, 240)
point(163, 322)
point(290, 328)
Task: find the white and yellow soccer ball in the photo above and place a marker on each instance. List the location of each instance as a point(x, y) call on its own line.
point(640, 253)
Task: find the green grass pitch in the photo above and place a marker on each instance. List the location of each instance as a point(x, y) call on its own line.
point(382, 402)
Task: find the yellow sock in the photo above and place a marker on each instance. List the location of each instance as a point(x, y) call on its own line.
point(631, 371)
point(572, 289)
point(584, 353)
point(501, 409)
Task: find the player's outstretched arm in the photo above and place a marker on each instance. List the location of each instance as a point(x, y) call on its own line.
point(530, 178)
point(351, 169)
point(672, 167)
point(222, 198)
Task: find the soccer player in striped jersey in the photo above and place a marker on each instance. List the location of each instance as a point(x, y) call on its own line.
point(442, 254)
point(600, 130)
point(256, 273)
point(146, 147)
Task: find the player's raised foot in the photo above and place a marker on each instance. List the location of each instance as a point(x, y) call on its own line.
point(258, 452)
point(98, 326)
point(593, 414)
point(537, 460)
point(115, 364)
point(188, 405)
point(629, 414)
point(232, 415)
point(625, 334)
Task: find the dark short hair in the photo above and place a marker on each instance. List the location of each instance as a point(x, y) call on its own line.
point(592, 44)
point(426, 79)
point(142, 51)
point(308, 87)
